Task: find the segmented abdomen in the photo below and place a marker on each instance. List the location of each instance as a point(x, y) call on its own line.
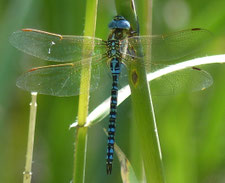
point(115, 70)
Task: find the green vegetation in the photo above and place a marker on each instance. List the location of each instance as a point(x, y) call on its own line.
point(190, 125)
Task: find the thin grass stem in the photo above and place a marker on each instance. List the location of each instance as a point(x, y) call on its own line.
point(82, 132)
point(27, 174)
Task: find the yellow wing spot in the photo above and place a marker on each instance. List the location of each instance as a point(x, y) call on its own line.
point(43, 32)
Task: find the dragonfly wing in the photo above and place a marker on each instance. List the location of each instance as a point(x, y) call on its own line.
point(59, 80)
point(56, 47)
point(191, 79)
point(166, 49)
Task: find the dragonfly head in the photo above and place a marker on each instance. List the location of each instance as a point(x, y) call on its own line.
point(119, 22)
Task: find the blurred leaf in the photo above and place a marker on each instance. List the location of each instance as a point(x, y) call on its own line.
point(127, 172)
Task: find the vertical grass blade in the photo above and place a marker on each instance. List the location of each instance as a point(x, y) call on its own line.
point(89, 30)
point(145, 117)
point(141, 99)
point(27, 174)
point(81, 133)
point(80, 155)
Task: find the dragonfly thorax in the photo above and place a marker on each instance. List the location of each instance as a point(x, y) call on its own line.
point(113, 49)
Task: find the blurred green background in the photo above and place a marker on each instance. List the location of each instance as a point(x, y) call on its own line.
point(191, 126)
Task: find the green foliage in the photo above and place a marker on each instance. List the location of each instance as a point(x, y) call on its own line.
point(191, 125)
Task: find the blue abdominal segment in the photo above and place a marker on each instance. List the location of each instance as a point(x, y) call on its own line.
point(118, 26)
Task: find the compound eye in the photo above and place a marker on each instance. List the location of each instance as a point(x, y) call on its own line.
point(112, 24)
point(123, 24)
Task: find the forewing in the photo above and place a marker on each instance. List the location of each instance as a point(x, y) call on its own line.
point(166, 49)
point(56, 47)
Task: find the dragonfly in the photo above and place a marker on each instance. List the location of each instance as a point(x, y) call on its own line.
point(63, 78)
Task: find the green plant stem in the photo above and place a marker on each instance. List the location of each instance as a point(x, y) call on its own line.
point(27, 174)
point(82, 132)
point(145, 117)
point(141, 97)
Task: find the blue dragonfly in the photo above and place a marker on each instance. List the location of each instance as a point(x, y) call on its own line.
point(63, 79)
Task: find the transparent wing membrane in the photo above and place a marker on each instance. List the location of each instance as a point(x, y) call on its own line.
point(56, 47)
point(59, 80)
point(166, 49)
point(155, 52)
point(188, 79)
point(181, 81)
